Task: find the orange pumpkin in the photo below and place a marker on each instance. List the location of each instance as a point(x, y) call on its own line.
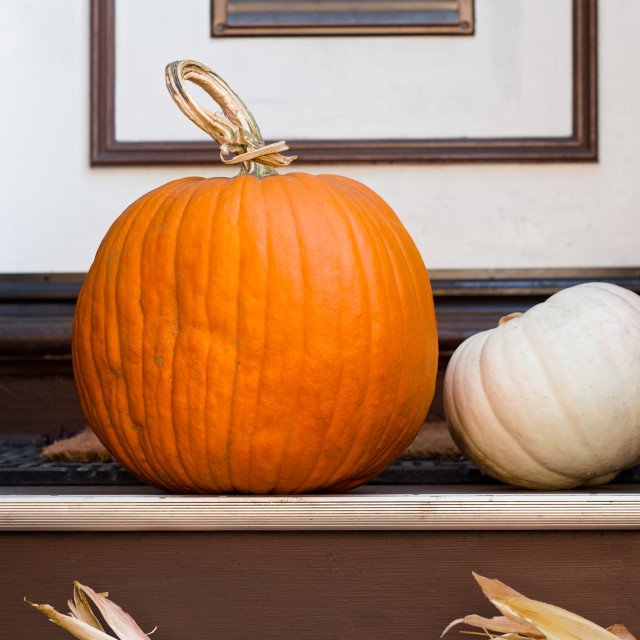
point(269, 334)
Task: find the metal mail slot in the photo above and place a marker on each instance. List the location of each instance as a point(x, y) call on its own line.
point(336, 17)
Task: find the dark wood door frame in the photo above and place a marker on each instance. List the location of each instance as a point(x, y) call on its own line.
point(580, 146)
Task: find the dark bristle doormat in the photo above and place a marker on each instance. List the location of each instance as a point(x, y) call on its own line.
point(21, 465)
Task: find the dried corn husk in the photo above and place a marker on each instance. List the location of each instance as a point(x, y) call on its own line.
point(524, 618)
point(83, 624)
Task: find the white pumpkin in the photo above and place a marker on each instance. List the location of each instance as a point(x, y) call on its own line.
point(551, 399)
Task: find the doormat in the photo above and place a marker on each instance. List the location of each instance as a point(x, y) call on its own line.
point(21, 465)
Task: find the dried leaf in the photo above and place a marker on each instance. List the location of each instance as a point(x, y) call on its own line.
point(493, 588)
point(553, 622)
point(81, 609)
point(83, 624)
point(487, 634)
point(123, 625)
point(76, 627)
point(620, 631)
point(501, 624)
point(535, 620)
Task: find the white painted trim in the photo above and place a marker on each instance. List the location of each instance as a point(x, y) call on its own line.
point(502, 508)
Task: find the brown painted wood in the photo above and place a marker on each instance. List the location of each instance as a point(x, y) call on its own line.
point(580, 146)
point(315, 585)
point(46, 403)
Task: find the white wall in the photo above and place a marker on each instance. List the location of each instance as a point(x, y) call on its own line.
point(55, 209)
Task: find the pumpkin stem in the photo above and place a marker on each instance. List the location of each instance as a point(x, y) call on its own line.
point(511, 316)
point(235, 128)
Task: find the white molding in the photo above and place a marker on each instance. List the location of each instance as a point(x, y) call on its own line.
point(502, 508)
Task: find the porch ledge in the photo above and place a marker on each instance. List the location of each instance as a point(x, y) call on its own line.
point(408, 507)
